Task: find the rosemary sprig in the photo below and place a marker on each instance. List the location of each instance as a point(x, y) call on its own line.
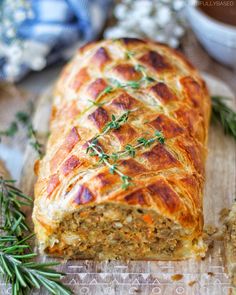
point(24, 274)
point(11, 200)
point(224, 115)
point(15, 253)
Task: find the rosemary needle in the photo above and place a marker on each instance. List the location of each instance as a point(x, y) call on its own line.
point(16, 266)
point(224, 115)
point(11, 200)
point(24, 274)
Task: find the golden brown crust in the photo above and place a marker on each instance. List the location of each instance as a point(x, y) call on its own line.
point(168, 178)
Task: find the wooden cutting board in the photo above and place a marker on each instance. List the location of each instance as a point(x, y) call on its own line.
point(150, 277)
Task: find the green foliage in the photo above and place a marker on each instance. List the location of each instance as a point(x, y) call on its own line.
point(224, 115)
point(23, 118)
point(16, 264)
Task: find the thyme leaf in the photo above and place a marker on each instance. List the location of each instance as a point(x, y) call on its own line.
point(129, 54)
point(10, 131)
point(130, 150)
point(32, 136)
point(103, 158)
point(97, 104)
point(94, 149)
point(116, 123)
point(23, 118)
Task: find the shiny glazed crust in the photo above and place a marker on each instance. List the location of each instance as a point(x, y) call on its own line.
point(168, 179)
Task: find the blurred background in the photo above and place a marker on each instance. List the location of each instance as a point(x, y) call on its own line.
point(38, 36)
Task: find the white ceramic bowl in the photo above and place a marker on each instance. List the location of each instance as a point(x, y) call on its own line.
point(219, 39)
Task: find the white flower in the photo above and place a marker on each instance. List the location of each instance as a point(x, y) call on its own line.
point(148, 26)
point(142, 7)
point(38, 63)
point(155, 19)
point(173, 42)
point(19, 15)
point(163, 15)
point(33, 48)
point(11, 70)
point(160, 38)
point(178, 4)
point(14, 50)
point(10, 33)
point(178, 31)
point(120, 11)
point(115, 32)
point(129, 24)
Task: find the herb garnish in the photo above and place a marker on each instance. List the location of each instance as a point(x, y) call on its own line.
point(32, 136)
point(129, 54)
point(224, 115)
point(24, 274)
point(11, 200)
point(130, 150)
point(15, 253)
point(97, 104)
point(10, 131)
point(23, 118)
point(94, 149)
point(131, 84)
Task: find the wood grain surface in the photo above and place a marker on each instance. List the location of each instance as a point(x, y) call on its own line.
point(203, 277)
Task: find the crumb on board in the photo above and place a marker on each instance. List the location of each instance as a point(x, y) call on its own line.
point(210, 230)
point(211, 274)
point(177, 277)
point(191, 283)
point(224, 213)
point(213, 233)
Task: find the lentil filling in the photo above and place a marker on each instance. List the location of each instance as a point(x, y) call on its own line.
point(111, 231)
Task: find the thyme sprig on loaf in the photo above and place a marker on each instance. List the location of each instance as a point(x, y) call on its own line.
point(94, 149)
point(16, 265)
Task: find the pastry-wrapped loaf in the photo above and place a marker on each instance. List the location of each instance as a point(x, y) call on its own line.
point(103, 191)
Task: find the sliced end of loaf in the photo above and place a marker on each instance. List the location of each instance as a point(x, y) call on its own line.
point(113, 231)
